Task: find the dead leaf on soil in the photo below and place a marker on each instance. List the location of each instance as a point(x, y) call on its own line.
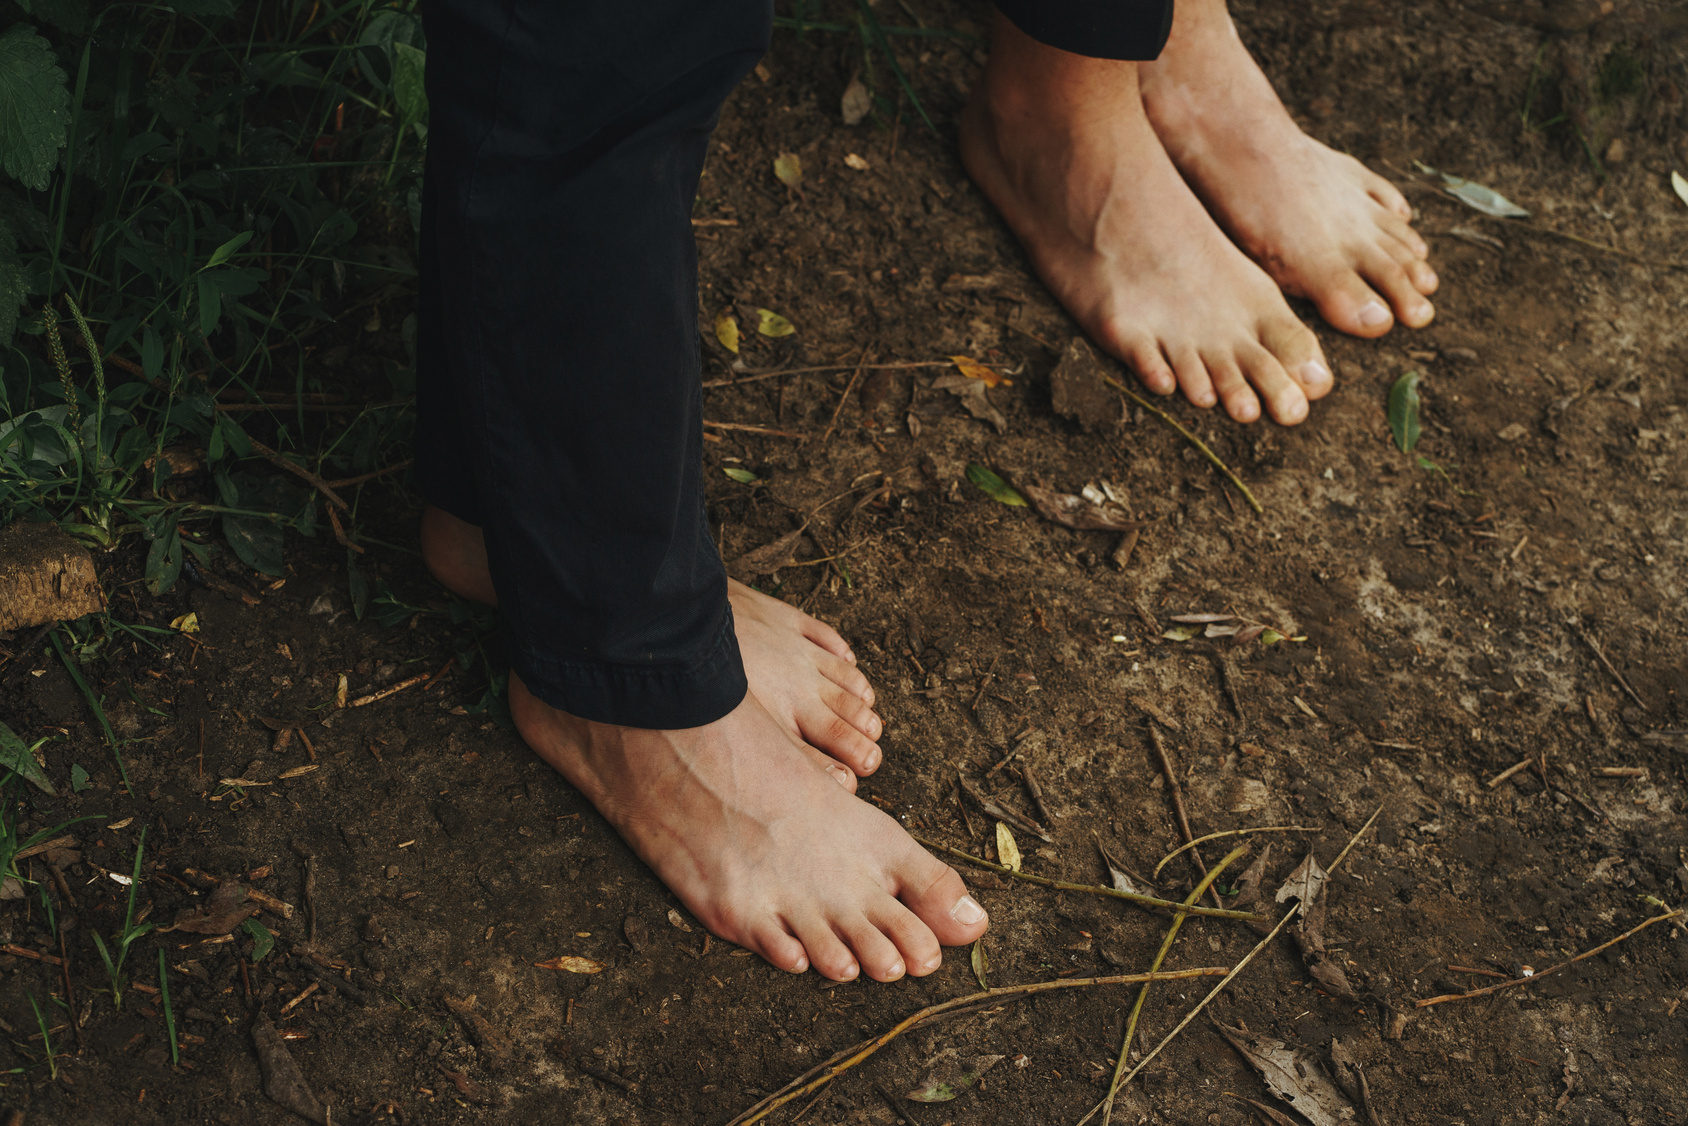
point(1076, 390)
point(981, 962)
point(638, 935)
point(284, 1083)
point(1680, 186)
point(854, 162)
point(225, 909)
point(466, 1086)
point(770, 557)
point(1304, 883)
point(1212, 626)
point(727, 331)
point(491, 1041)
point(1249, 884)
point(1075, 512)
point(856, 103)
point(971, 393)
point(1122, 880)
point(948, 1075)
point(674, 918)
point(1007, 852)
point(1273, 1116)
point(573, 964)
point(770, 323)
point(788, 169)
point(1309, 883)
point(974, 369)
point(1293, 1075)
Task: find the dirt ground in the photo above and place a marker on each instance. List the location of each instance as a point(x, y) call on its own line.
point(1448, 616)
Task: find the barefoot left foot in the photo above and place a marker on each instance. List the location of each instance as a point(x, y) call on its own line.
point(1321, 224)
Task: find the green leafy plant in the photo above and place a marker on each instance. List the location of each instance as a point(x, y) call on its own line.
point(46, 1035)
point(262, 940)
point(1404, 404)
point(994, 487)
point(124, 938)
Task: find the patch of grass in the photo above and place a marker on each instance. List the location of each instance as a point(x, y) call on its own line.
point(46, 1035)
point(125, 937)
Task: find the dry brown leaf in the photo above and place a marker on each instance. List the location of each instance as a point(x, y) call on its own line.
point(1007, 852)
point(573, 964)
point(788, 169)
point(1293, 1075)
point(974, 369)
point(770, 557)
point(284, 1083)
point(675, 918)
point(948, 1075)
point(856, 103)
point(225, 909)
point(1075, 512)
point(971, 392)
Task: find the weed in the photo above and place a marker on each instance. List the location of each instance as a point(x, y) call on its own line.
point(169, 1013)
point(126, 937)
point(93, 703)
point(46, 1035)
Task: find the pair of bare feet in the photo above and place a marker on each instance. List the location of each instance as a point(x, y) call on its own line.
point(1113, 174)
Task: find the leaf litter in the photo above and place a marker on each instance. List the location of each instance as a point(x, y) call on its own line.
point(1293, 1074)
point(994, 487)
point(948, 1075)
point(284, 1083)
point(1308, 883)
point(1475, 195)
point(971, 393)
point(1080, 513)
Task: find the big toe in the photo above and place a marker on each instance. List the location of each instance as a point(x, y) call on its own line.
point(932, 890)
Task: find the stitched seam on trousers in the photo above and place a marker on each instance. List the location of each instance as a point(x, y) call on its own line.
point(604, 673)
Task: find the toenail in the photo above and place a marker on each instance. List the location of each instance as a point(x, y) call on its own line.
point(839, 775)
point(967, 911)
point(1372, 314)
point(850, 971)
point(1314, 374)
point(933, 963)
point(895, 971)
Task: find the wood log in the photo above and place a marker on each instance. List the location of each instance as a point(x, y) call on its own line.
point(45, 576)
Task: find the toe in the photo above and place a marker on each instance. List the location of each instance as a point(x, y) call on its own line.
point(779, 948)
point(1296, 352)
point(825, 729)
point(1232, 388)
point(878, 955)
point(1387, 194)
point(847, 676)
point(1348, 303)
point(913, 938)
point(844, 775)
point(1286, 401)
point(1387, 275)
point(827, 638)
point(1145, 358)
point(931, 889)
point(826, 951)
point(1402, 232)
point(1194, 379)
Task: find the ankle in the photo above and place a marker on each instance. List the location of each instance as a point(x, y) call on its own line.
point(1029, 84)
point(455, 553)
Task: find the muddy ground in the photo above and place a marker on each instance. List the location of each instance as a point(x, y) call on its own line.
point(1448, 615)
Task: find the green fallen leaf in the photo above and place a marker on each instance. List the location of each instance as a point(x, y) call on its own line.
point(770, 323)
point(981, 962)
point(788, 168)
point(19, 758)
point(949, 1077)
point(1403, 411)
point(79, 778)
point(262, 940)
point(726, 331)
point(742, 476)
point(994, 487)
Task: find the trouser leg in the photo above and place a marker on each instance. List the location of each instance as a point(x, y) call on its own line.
point(558, 374)
point(1101, 29)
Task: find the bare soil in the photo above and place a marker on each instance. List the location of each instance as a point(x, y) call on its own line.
point(1448, 615)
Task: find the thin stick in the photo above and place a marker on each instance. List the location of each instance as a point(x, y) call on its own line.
point(1089, 889)
point(362, 477)
point(1487, 989)
point(791, 1091)
point(1178, 802)
point(761, 376)
point(747, 428)
point(1143, 993)
point(1516, 768)
point(1034, 788)
point(315, 408)
point(1588, 640)
point(1232, 833)
point(385, 692)
point(984, 683)
point(300, 472)
point(844, 398)
point(1235, 970)
point(1189, 437)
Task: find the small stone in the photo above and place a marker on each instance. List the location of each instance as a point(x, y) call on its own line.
point(1513, 432)
point(392, 871)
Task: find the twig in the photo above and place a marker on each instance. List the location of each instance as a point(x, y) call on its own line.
point(844, 398)
point(761, 376)
point(300, 472)
point(44, 846)
point(1588, 639)
point(26, 952)
point(1003, 813)
point(1188, 437)
point(1487, 989)
point(1235, 970)
point(362, 477)
point(984, 683)
point(1228, 677)
point(1365, 1096)
point(1177, 793)
point(1231, 833)
point(1036, 791)
point(1089, 889)
point(747, 428)
point(1515, 768)
point(792, 1091)
point(1143, 993)
point(385, 692)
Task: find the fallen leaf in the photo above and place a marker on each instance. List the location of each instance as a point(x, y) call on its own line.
point(1403, 411)
point(742, 476)
point(1478, 197)
point(855, 104)
point(788, 169)
point(1181, 633)
point(1249, 884)
point(1075, 512)
point(466, 1086)
point(770, 557)
point(851, 160)
point(1345, 1069)
point(225, 909)
point(770, 323)
point(1304, 883)
point(1076, 390)
point(948, 1075)
point(727, 332)
point(186, 623)
point(674, 918)
point(1273, 1117)
point(262, 940)
point(638, 935)
point(981, 962)
point(994, 487)
point(19, 758)
point(284, 1083)
point(573, 964)
point(1293, 1075)
point(1203, 619)
point(1007, 852)
point(971, 392)
point(486, 1037)
point(1122, 880)
point(973, 369)
point(297, 771)
point(1680, 185)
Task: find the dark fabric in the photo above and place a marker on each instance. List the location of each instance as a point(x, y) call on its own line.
point(1101, 29)
point(558, 375)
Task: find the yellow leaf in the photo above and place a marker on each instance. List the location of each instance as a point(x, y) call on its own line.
point(187, 623)
point(1007, 852)
point(771, 323)
point(973, 369)
point(572, 964)
point(297, 771)
point(789, 169)
point(851, 160)
point(726, 331)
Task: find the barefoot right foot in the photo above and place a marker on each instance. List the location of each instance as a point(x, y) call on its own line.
point(1062, 146)
point(761, 847)
point(799, 668)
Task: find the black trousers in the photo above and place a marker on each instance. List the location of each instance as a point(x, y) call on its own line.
point(558, 374)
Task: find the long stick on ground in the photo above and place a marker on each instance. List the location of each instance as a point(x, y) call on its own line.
point(1143, 993)
point(1232, 833)
point(1235, 970)
point(1188, 437)
point(1535, 977)
point(1177, 793)
point(1088, 889)
point(796, 1089)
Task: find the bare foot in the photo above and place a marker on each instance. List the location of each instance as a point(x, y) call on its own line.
point(799, 668)
point(1322, 224)
point(759, 845)
point(1062, 146)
